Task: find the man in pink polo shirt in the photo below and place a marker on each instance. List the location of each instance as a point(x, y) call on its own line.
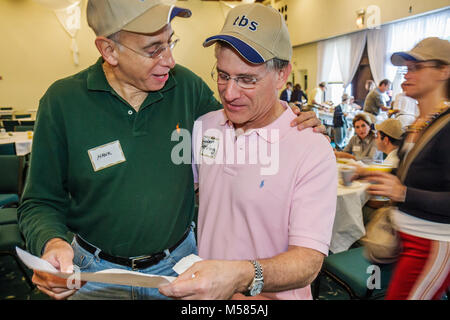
point(267, 191)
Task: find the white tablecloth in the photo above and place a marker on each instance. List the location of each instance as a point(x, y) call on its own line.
point(348, 223)
point(23, 143)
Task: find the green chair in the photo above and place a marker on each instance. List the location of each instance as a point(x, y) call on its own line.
point(27, 123)
point(11, 179)
point(23, 116)
point(8, 149)
point(8, 216)
point(10, 124)
point(358, 276)
point(10, 238)
point(23, 128)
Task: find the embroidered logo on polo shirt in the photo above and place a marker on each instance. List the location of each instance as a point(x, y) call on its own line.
point(209, 148)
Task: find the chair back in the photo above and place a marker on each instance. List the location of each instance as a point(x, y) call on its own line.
point(27, 122)
point(10, 124)
point(8, 149)
point(11, 174)
point(23, 116)
point(23, 128)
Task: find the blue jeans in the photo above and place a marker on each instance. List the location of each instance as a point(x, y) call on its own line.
point(88, 262)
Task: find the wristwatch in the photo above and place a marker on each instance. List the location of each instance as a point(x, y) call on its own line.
point(258, 281)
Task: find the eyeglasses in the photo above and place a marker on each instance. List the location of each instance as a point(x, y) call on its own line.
point(244, 81)
point(417, 67)
point(157, 53)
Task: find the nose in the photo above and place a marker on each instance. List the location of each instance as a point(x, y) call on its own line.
point(231, 90)
point(166, 58)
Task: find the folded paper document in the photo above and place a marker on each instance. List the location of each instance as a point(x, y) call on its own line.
point(114, 276)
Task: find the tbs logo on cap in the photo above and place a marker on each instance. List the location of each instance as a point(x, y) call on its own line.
point(244, 22)
point(258, 33)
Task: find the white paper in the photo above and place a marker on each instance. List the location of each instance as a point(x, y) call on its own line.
point(186, 263)
point(113, 276)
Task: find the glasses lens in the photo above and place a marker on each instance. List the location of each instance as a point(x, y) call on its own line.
point(159, 51)
point(246, 82)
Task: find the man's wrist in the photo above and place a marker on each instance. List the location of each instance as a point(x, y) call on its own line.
point(51, 242)
point(246, 276)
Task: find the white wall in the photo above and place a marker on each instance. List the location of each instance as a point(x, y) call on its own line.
point(34, 48)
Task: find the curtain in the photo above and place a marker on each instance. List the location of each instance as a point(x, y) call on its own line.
point(402, 36)
point(349, 51)
point(325, 53)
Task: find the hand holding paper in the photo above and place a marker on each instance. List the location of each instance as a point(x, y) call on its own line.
point(113, 276)
point(58, 256)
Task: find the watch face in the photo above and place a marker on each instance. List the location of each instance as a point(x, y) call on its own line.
point(257, 288)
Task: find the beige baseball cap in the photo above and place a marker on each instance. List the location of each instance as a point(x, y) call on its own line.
point(257, 32)
point(106, 17)
point(428, 49)
point(392, 127)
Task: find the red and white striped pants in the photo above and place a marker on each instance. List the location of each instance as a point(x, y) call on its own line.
point(422, 271)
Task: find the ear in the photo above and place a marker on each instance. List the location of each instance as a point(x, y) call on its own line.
point(283, 75)
point(444, 73)
point(108, 50)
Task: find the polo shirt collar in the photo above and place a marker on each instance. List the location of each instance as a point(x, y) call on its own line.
point(282, 123)
point(96, 80)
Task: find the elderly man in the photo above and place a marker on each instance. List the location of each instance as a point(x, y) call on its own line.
point(101, 165)
point(265, 222)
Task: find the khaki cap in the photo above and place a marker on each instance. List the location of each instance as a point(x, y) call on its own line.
point(106, 17)
point(257, 32)
point(428, 49)
point(391, 127)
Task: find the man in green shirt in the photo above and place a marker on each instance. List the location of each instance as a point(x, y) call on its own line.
point(101, 165)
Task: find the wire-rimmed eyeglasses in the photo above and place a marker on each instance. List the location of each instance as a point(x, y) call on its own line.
point(243, 81)
point(157, 53)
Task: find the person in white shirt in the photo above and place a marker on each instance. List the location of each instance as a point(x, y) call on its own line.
point(405, 109)
point(317, 96)
point(388, 137)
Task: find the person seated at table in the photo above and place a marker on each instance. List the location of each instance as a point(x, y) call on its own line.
point(362, 145)
point(388, 138)
point(297, 95)
point(340, 121)
point(353, 105)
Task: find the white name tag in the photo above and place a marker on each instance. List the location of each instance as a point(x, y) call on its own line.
point(106, 155)
point(210, 145)
point(356, 149)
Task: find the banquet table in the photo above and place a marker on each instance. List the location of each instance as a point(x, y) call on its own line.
point(22, 141)
point(348, 223)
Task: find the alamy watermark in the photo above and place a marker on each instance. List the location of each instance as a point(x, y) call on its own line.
point(216, 146)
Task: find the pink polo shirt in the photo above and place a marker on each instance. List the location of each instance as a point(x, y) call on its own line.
point(263, 190)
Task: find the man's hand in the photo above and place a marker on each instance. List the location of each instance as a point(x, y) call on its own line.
point(211, 280)
point(60, 255)
point(307, 119)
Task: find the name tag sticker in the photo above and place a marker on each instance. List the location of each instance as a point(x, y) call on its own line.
point(210, 145)
point(356, 149)
point(106, 155)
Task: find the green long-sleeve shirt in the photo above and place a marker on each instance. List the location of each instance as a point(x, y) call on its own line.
point(138, 206)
